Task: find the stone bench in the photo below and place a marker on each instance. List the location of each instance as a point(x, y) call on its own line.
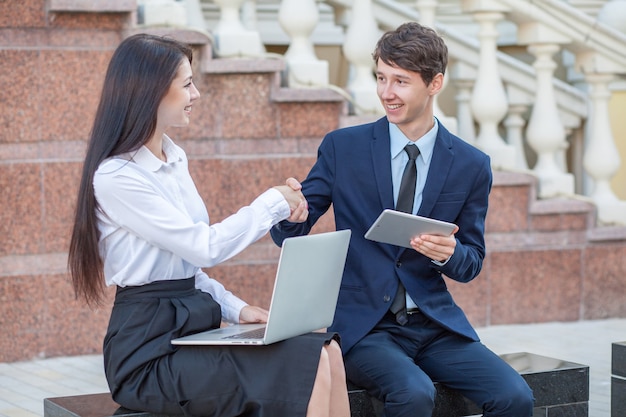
point(561, 389)
point(618, 379)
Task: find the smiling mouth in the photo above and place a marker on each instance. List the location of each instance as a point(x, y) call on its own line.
point(394, 106)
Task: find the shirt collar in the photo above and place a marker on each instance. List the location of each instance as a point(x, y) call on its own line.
point(146, 159)
point(426, 143)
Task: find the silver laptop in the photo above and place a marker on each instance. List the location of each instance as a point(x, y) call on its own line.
point(304, 297)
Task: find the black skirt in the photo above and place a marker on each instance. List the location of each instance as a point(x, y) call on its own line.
point(145, 372)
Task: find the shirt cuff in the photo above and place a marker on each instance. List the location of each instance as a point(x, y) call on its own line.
point(231, 308)
point(440, 263)
point(276, 204)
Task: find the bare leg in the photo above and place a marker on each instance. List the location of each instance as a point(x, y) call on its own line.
point(339, 402)
point(329, 397)
point(319, 403)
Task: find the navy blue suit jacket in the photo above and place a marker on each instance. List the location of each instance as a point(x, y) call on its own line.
point(353, 174)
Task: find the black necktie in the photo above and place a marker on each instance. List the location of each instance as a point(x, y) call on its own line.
point(406, 196)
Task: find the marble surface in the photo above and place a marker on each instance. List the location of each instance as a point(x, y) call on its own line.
point(618, 396)
point(561, 389)
point(618, 379)
point(618, 359)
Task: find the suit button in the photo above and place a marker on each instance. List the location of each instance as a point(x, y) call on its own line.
point(386, 298)
point(398, 264)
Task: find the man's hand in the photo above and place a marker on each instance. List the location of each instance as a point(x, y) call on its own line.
point(437, 248)
point(295, 198)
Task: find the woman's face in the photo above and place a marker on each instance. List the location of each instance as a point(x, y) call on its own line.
point(175, 108)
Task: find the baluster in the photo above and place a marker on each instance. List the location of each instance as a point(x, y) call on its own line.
point(298, 18)
point(231, 37)
point(463, 76)
point(545, 132)
point(162, 13)
point(359, 43)
point(195, 19)
point(489, 102)
point(248, 14)
point(601, 159)
point(427, 10)
point(514, 123)
point(613, 13)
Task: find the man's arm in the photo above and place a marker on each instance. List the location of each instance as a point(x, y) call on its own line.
point(467, 260)
point(317, 191)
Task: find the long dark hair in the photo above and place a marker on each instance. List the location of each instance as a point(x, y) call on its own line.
point(138, 77)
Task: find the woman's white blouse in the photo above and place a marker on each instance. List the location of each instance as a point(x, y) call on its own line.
point(154, 225)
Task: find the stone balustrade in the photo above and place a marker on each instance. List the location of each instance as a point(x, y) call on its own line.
point(540, 113)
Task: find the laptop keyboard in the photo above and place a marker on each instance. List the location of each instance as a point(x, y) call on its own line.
point(250, 334)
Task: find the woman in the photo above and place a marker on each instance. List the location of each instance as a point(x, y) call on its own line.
point(141, 225)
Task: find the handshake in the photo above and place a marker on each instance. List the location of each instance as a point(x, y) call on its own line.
point(297, 202)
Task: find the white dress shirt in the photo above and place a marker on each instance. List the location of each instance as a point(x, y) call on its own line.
point(154, 225)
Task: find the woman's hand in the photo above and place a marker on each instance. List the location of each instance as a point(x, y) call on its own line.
point(253, 314)
point(295, 198)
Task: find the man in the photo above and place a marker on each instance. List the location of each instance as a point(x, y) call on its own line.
point(359, 170)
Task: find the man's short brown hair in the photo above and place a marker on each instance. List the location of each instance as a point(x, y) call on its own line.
point(413, 47)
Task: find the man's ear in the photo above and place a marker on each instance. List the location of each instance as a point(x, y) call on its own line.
point(436, 84)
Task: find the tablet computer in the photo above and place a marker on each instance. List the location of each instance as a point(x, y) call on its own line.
point(398, 228)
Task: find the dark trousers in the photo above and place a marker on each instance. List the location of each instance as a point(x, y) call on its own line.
point(397, 364)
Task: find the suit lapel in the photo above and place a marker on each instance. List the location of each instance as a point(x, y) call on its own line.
point(381, 162)
point(440, 166)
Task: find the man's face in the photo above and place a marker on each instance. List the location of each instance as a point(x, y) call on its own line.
point(407, 100)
